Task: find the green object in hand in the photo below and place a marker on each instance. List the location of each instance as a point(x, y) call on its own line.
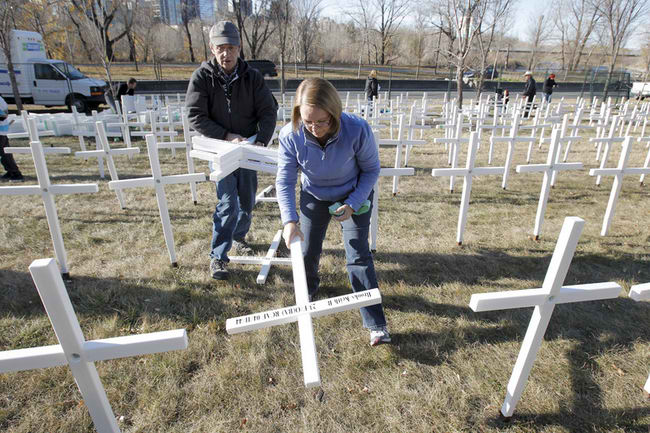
point(365, 206)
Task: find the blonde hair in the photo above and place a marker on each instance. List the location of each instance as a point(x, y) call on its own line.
point(373, 74)
point(319, 93)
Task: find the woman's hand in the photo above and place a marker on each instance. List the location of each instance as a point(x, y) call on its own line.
point(290, 230)
point(346, 212)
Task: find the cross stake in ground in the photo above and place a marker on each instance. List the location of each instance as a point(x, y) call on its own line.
point(544, 300)
point(303, 312)
point(79, 354)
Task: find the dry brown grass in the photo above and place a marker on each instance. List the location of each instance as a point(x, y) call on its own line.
point(448, 367)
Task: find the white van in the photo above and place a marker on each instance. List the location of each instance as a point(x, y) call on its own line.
point(44, 81)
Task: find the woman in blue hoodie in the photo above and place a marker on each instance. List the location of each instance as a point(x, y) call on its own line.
point(339, 161)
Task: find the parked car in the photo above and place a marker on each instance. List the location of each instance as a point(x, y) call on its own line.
point(266, 67)
point(487, 73)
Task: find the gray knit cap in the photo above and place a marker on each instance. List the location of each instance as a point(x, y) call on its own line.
point(224, 32)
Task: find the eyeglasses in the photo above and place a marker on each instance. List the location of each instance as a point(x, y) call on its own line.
point(317, 124)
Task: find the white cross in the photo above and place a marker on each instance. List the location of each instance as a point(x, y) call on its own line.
point(158, 181)
point(303, 312)
point(544, 300)
point(548, 169)
point(30, 125)
point(618, 173)
point(641, 292)
point(511, 140)
point(47, 191)
point(79, 354)
point(454, 143)
point(31, 131)
point(104, 151)
point(646, 164)
point(468, 173)
point(608, 141)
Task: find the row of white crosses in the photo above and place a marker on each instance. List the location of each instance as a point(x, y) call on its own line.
point(544, 299)
point(76, 352)
point(47, 191)
point(158, 182)
point(303, 312)
point(104, 151)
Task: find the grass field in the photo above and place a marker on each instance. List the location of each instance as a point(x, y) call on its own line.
point(446, 370)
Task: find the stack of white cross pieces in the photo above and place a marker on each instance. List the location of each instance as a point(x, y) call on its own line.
point(303, 312)
point(79, 354)
point(33, 133)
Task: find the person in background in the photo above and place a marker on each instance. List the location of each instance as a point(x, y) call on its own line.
point(530, 90)
point(228, 100)
point(127, 88)
point(339, 160)
point(372, 89)
point(7, 159)
point(549, 83)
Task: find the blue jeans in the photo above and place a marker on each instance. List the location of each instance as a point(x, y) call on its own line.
point(314, 219)
point(232, 216)
point(547, 97)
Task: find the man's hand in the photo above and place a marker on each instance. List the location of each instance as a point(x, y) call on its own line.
point(346, 213)
point(235, 138)
point(259, 143)
point(290, 231)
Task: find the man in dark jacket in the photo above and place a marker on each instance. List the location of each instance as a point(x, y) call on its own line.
point(228, 100)
point(530, 90)
point(549, 83)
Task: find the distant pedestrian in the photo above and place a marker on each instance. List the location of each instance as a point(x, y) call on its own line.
point(7, 159)
point(530, 90)
point(549, 83)
point(126, 89)
point(372, 89)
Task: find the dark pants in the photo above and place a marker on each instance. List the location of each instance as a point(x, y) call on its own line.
point(314, 219)
point(529, 105)
point(233, 214)
point(7, 159)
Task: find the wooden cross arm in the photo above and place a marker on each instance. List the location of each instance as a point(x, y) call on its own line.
point(640, 292)
point(532, 297)
point(477, 171)
point(513, 139)
point(442, 140)
point(94, 350)
point(20, 190)
point(182, 178)
point(388, 142)
point(140, 182)
point(615, 171)
point(13, 135)
point(172, 145)
point(314, 309)
point(81, 188)
point(607, 140)
point(250, 260)
point(260, 166)
point(46, 150)
point(101, 152)
point(528, 127)
point(532, 168)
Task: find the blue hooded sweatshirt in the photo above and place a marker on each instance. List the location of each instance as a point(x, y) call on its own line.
point(345, 170)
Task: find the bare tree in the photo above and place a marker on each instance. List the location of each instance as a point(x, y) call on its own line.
point(256, 25)
point(363, 16)
point(10, 11)
point(460, 24)
point(281, 13)
point(306, 24)
point(619, 19)
point(419, 41)
point(493, 23)
point(383, 18)
point(100, 14)
point(188, 12)
point(575, 21)
point(537, 35)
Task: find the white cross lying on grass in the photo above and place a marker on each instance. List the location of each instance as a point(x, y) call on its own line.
point(79, 354)
point(302, 313)
point(544, 300)
point(641, 292)
point(47, 191)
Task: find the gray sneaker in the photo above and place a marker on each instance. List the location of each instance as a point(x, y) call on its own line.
point(241, 248)
point(218, 269)
point(379, 336)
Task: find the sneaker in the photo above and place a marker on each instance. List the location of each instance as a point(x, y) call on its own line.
point(379, 336)
point(241, 248)
point(5, 176)
point(16, 177)
point(218, 269)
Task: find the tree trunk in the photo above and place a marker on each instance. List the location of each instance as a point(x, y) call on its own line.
point(459, 88)
point(189, 41)
point(12, 77)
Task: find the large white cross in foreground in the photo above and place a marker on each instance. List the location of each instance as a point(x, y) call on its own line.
point(158, 181)
point(548, 169)
point(79, 354)
point(47, 191)
point(618, 174)
point(544, 300)
point(641, 292)
point(302, 313)
point(468, 173)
